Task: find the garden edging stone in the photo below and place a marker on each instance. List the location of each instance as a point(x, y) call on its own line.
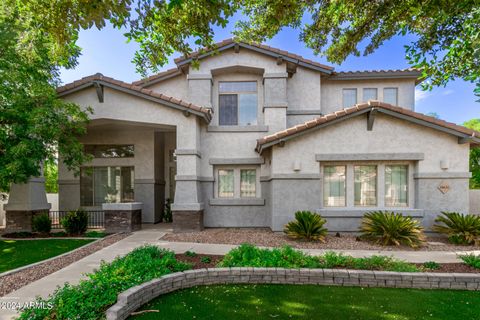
point(133, 298)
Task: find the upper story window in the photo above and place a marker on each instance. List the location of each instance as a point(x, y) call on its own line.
point(369, 94)
point(109, 151)
point(390, 95)
point(238, 103)
point(349, 97)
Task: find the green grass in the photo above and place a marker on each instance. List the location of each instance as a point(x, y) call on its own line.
point(312, 302)
point(18, 253)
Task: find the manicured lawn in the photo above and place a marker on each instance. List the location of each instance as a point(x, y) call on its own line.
point(17, 253)
point(312, 302)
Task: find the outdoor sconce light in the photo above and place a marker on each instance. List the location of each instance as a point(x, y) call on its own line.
point(297, 166)
point(444, 164)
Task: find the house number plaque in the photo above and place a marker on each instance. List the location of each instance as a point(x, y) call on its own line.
point(444, 187)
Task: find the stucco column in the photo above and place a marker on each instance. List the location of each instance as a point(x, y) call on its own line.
point(275, 101)
point(200, 89)
point(24, 201)
point(188, 205)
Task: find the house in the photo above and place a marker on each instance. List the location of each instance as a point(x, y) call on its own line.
point(255, 133)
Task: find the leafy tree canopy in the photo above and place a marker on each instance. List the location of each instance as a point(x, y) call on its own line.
point(447, 44)
point(474, 156)
point(34, 123)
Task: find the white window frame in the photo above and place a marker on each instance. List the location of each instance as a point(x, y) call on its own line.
point(323, 185)
point(238, 104)
point(350, 184)
point(369, 88)
point(343, 97)
point(396, 96)
point(236, 181)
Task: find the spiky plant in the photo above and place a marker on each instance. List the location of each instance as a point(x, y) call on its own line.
point(307, 225)
point(460, 228)
point(390, 228)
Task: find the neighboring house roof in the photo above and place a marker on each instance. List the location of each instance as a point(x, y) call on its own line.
point(261, 48)
point(410, 73)
point(464, 134)
point(99, 80)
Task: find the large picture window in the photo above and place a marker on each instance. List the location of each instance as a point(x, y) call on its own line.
point(334, 186)
point(365, 185)
point(396, 186)
point(106, 185)
point(238, 103)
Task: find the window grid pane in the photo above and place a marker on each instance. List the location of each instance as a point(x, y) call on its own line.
point(248, 183)
point(106, 185)
point(228, 110)
point(365, 185)
point(396, 185)
point(247, 109)
point(109, 151)
point(334, 186)
point(225, 183)
point(240, 86)
point(349, 97)
point(390, 95)
point(369, 94)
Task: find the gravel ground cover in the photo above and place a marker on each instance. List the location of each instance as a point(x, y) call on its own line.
point(267, 238)
point(14, 281)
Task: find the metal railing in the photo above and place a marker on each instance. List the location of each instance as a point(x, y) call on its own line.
point(96, 219)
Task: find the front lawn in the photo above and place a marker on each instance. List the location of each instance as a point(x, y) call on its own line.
point(18, 253)
point(312, 302)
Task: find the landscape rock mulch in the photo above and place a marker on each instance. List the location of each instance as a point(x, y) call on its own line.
point(14, 281)
point(265, 237)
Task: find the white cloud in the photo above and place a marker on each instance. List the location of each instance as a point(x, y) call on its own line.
point(447, 92)
point(421, 95)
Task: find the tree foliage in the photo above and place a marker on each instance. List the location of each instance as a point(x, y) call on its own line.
point(474, 156)
point(50, 172)
point(34, 123)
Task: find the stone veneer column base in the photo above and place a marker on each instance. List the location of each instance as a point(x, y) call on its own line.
point(187, 220)
point(122, 217)
point(20, 221)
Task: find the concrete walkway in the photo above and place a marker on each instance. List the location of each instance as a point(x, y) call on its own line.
point(151, 235)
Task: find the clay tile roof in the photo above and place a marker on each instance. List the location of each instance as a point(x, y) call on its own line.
point(413, 73)
point(159, 76)
point(98, 77)
point(365, 107)
point(227, 42)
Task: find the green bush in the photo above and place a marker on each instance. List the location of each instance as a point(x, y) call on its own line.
point(75, 222)
point(390, 228)
point(167, 213)
point(93, 296)
point(190, 253)
point(248, 255)
point(471, 260)
point(41, 223)
point(95, 234)
point(431, 265)
point(307, 225)
point(206, 260)
point(460, 228)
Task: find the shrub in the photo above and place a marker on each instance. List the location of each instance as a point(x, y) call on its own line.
point(206, 260)
point(307, 225)
point(247, 255)
point(471, 260)
point(41, 223)
point(389, 228)
point(95, 234)
point(167, 213)
point(335, 260)
point(93, 296)
point(460, 228)
point(75, 222)
point(431, 265)
point(190, 253)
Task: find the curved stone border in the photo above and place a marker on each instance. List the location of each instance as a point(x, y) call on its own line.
point(133, 298)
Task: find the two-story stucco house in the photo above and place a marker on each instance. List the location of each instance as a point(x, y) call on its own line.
point(256, 133)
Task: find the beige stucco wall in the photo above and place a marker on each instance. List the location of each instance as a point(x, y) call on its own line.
point(174, 87)
point(332, 92)
point(304, 90)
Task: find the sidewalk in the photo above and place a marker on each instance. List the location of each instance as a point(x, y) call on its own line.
point(74, 272)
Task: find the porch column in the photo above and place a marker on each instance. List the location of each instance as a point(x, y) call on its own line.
point(187, 209)
point(24, 201)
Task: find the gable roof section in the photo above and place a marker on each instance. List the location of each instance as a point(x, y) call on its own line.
point(261, 48)
point(99, 79)
point(410, 73)
point(464, 134)
point(164, 75)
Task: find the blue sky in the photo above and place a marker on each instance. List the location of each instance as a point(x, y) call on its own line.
point(106, 51)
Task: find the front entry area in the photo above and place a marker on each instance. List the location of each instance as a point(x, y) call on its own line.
point(131, 162)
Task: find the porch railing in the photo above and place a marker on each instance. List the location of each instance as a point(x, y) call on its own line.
point(96, 219)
